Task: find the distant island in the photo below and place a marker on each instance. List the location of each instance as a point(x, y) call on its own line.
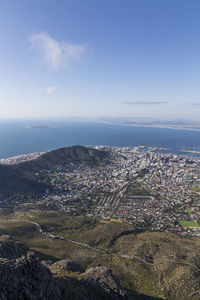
point(38, 126)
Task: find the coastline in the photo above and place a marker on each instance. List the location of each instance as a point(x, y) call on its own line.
point(106, 133)
point(152, 126)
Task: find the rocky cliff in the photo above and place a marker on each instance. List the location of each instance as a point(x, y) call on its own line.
point(23, 276)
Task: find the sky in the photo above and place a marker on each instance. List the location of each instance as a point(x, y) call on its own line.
point(100, 58)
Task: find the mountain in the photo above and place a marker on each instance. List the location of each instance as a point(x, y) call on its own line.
point(26, 277)
point(19, 178)
point(14, 180)
point(161, 265)
point(10, 249)
point(63, 156)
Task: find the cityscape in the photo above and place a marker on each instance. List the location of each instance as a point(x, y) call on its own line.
point(138, 185)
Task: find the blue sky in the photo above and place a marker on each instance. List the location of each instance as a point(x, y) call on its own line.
point(100, 58)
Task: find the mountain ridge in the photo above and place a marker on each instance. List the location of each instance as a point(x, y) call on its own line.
point(25, 277)
point(19, 178)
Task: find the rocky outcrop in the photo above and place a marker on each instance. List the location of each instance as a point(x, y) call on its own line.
point(65, 266)
point(11, 249)
point(102, 279)
point(26, 278)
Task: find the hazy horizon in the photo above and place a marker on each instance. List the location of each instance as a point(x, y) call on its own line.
point(100, 119)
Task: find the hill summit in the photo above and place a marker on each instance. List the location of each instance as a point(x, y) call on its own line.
point(19, 178)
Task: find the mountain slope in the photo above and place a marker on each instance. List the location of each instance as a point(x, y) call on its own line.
point(19, 178)
point(63, 156)
point(14, 180)
point(159, 264)
point(26, 277)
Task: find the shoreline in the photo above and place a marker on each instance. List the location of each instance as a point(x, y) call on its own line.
point(183, 148)
point(33, 155)
point(152, 126)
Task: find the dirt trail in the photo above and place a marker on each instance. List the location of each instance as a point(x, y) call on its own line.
point(56, 237)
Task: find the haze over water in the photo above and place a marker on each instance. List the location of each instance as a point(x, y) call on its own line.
point(15, 139)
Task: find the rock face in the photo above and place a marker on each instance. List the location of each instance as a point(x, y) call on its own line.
point(10, 249)
point(24, 277)
point(66, 266)
point(102, 279)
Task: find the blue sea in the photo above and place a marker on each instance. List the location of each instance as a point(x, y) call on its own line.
point(16, 139)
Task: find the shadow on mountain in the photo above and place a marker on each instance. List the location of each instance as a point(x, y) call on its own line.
point(19, 178)
point(137, 296)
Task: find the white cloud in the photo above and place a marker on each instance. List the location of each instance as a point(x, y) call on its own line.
point(51, 89)
point(56, 55)
point(44, 90)
point(146, 102)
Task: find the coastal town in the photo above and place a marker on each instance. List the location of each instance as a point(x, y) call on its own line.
point(138, 185)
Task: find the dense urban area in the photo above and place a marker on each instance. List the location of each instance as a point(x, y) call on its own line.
point(138, 185)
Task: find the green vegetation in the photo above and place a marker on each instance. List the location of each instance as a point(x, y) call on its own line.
point(189, 224)
point(116, 220)
point(190, 210)
point(195, 188)
point(153, 280)
point(135, 189)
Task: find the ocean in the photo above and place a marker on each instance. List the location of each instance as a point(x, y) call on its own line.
point(16, 139)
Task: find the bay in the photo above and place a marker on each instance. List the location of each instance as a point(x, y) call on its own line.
point(16, 139)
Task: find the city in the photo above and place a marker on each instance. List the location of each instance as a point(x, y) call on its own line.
point(154, 191)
